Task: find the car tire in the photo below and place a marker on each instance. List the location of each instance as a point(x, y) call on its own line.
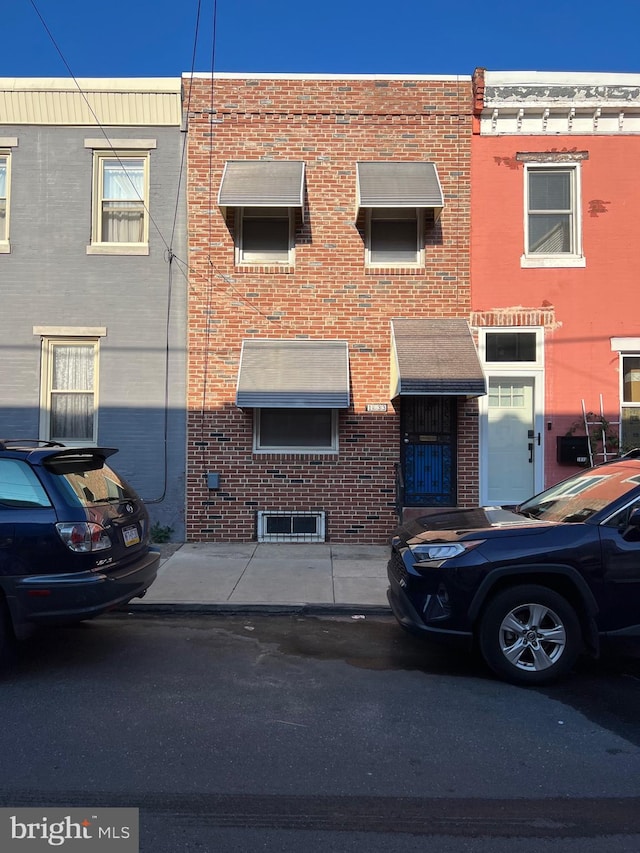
point(529, 634)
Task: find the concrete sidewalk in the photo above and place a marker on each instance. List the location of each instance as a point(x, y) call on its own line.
point(250, 575)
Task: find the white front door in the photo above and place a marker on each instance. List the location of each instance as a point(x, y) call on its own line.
point(512, 441)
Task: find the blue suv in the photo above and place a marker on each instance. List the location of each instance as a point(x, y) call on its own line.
point(74, 536)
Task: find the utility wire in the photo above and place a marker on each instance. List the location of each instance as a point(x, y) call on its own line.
point(209, 291)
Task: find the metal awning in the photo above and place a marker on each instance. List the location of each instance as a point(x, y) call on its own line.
point(262, 183)
point(293, 374)
point(393, 184)
point(435, 357)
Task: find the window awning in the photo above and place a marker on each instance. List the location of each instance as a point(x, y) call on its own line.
point(393, 184)
point(435, 357)
point(293, 374)
point(262, 183)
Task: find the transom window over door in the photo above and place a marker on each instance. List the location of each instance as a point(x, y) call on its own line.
point(510, 346)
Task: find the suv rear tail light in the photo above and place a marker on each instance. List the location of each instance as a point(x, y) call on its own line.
point(84, 536)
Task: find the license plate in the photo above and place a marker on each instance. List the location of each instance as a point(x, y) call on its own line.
point(130, 536)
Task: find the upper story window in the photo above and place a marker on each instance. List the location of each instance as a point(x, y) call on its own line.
point(265, 195)
point(120, 200)
point(395, 237)
point(553, 225)
point(264, 235)
point(5, 190)
point(395, 196)
point(120, 206)
point(4, 197)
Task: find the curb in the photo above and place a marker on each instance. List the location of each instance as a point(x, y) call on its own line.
point(327, 609)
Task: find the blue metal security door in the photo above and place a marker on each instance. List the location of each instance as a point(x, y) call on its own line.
point(428, 453)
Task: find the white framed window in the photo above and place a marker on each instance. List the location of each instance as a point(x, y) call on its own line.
point(296, 430)
point(514, 346)
point(285, 526)
point(5, 183)
point(69, 390)
point(120, 221)
point(553, 225)
point(265, 236)
point(630, 400)
point(394, 237)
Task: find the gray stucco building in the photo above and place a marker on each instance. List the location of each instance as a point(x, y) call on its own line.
point(93, 274)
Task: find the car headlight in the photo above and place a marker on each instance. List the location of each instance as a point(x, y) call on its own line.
point(430, 552)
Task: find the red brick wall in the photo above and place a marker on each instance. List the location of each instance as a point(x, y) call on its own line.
point(330, 125)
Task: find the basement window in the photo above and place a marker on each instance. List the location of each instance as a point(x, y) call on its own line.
point(285, 526)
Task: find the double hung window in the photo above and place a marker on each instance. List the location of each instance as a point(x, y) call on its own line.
point(69, 390)
point(265, 235)
point(394, 237)
point(121, 211)
point(5, 175)
point(552, 216)
point(120, 206)
point(630, 399)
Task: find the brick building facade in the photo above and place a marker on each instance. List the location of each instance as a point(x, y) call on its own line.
point(329, 349)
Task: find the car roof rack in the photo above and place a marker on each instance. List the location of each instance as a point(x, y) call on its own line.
point(17, 443)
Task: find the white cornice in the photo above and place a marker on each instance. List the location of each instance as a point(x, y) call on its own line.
point(559, 78)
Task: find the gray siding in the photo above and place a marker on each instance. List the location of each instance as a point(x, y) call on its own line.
point(49, 280)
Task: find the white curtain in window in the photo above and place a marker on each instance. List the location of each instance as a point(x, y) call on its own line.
point(122, 201)
point(3, 198)
point(72, 392)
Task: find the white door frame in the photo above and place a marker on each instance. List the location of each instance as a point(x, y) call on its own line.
point(526, 370)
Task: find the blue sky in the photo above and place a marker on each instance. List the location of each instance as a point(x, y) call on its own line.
point(156, 38)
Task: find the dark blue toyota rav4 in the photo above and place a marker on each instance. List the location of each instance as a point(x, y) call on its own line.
point(530, 588)
point(74, 536)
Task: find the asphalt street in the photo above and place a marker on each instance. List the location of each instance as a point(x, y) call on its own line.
point(289, 733)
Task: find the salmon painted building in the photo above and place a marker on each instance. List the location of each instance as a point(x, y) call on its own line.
point(333, 377)
point(554, 212)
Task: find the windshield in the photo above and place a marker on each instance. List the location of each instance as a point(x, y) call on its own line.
point(578, 498)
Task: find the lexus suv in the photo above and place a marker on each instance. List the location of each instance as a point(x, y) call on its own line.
point(533, 587)
point(74, 536)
